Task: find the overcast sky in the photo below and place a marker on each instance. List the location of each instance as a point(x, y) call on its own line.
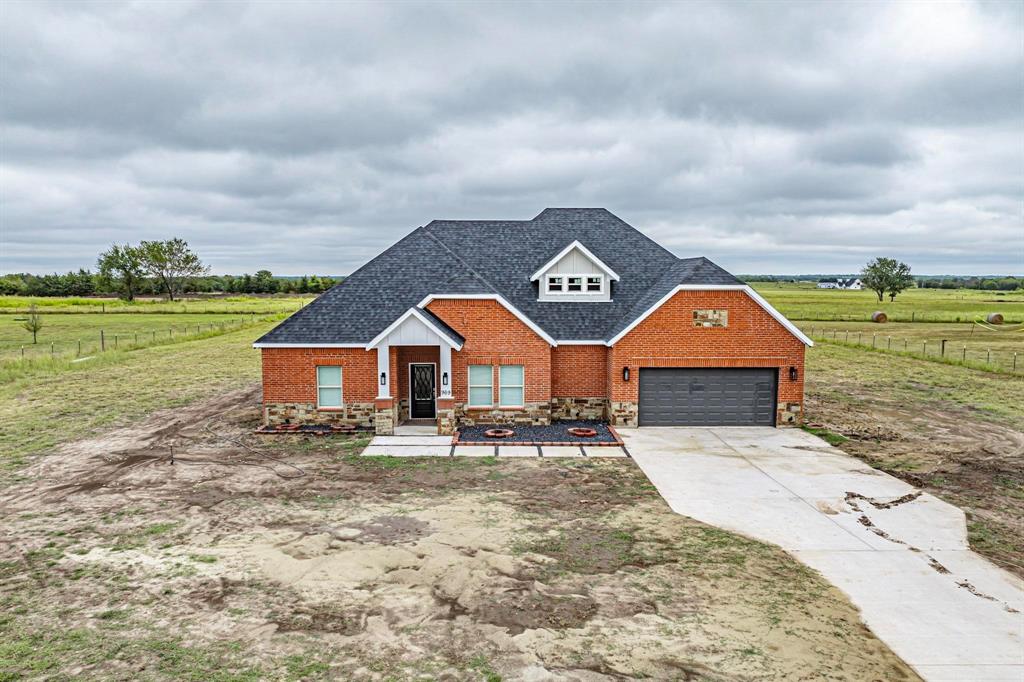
point(305, 138)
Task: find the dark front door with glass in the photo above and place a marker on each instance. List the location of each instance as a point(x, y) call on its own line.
point(423, 388)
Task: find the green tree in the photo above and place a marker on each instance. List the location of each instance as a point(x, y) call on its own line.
point(886, 276)
point(34, 322)
point(122, 267)
point(171, 263)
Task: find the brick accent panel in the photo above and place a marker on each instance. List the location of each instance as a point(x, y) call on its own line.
point(579, 371)
point(495, 337)
point(667, 338)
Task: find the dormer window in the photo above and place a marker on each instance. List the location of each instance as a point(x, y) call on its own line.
point(575, 284)
point(575, 274)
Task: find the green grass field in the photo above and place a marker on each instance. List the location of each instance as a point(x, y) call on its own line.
point(70, 402)
point(978, 346)
point(230, 305)
point(119, 330)
point(804, 301)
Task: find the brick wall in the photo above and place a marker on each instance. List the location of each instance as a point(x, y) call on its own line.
point(289, 374)
point(579, 371)
point(494, 336)
point(667, 338)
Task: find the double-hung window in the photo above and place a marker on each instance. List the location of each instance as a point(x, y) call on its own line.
point(510, 386)
point(555, 284)
point(328, 386)
point(481, 386)
point(575, 284)
point(594, 284)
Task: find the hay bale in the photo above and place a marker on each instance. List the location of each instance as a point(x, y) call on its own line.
point(994, 318)
point(879, 317)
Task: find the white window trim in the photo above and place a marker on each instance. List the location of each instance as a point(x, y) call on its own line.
point(521, 386)
point(340, 387)
point(470, 386)
point(564, 291)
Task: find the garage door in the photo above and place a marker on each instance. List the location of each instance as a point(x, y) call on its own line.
point(707, 396)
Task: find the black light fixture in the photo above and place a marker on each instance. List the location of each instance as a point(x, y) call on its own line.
point(383, 378)
point(792, 373)
point(625, 373)
point(444, 378)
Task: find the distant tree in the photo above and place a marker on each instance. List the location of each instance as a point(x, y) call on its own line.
point(886, 276)
point(171, 263)
point(264, 282)
point(11, 285)
point(33, 323)
point(121, 266)
point(303, 286)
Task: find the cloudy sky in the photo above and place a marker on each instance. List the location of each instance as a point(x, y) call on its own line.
point(770, 137)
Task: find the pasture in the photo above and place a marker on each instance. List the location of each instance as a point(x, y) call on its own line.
point(803, 301)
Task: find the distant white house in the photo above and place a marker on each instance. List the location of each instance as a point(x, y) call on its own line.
point(851, 283)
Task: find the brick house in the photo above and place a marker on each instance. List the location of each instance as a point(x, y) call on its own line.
point(571, 315)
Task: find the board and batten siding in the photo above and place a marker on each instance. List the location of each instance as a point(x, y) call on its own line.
point(574, 263)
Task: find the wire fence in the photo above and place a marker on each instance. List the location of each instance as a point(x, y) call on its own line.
point(805, 314)
point(974, 355)
point(104, 340)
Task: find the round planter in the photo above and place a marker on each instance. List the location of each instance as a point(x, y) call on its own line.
point(582, 432)
point(499, 433)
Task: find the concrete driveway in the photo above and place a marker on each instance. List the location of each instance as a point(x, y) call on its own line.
point(900, 555)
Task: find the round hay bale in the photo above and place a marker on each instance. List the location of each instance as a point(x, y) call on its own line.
point(879, 317)
point(994, 318)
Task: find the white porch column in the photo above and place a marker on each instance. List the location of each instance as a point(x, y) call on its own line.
point(384, 367)
point(446, 371)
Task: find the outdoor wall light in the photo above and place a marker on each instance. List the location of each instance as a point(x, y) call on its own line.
point(792, 373)
point(383, 378)
point(625, 373)
point(444, 378)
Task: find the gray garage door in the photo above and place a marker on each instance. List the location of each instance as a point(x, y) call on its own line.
point(707, 397)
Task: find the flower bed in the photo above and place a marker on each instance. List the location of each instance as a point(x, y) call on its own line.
point(557, 433)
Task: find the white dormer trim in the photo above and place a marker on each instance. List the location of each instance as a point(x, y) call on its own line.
point(413, 312)
point(586, 252)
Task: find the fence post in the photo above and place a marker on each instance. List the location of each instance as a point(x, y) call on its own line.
point(154, 335)
point(23, 354)
point(859, 335)
point(904, 345)
point(103, 341)
point(873, 337)
point(79, 348)
point(943, 351)
point(912, 315)
point(889, 344)
point(51, 349)
point(1015, 362)
point(136, 338)
point(115, 341)
point(924, 348)
point(964, 357)
point(988, 360)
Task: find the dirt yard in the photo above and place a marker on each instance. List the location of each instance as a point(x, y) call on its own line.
point(955, 432)
point(303, 561)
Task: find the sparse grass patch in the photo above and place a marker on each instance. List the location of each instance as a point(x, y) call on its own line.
point(829, 437)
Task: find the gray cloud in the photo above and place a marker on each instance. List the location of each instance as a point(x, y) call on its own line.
point(307, 137)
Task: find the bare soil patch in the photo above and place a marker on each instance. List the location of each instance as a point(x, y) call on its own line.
point(115, 563)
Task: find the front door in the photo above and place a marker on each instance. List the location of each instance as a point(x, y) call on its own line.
point(422, 389)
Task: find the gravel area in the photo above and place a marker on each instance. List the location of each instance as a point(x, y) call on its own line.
point(555, 433)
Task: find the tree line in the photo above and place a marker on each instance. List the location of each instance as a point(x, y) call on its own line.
point(155, 268)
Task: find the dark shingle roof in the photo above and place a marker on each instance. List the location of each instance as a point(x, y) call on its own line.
point(498, 257)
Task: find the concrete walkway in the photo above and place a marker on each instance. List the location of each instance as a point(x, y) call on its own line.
point(441, 446)
point(900, 555)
